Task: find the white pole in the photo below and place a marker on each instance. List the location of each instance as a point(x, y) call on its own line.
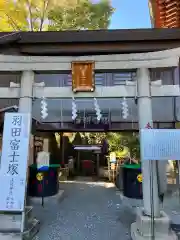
point(145, 117)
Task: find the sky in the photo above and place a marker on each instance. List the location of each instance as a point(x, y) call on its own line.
point(130, 14)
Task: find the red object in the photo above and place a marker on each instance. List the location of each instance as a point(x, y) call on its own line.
point(39, 187)
point(34, 181)
point(88, 164)
point(51, 173)
point(165, 13)
point(148, 126)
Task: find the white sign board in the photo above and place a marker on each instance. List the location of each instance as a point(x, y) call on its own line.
point(14, 161)
point(87, 148)
point(42, 159)
point(160, 144)
point(112, 157)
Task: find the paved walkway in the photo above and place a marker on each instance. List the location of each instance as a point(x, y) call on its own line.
point(89, 211)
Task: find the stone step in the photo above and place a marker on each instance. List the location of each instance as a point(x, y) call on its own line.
point(32, 230)
point(28, 234)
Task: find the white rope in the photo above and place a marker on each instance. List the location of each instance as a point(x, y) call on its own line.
point(97, 109)
point(125, 110)
point(74, 109)
point(44, 108)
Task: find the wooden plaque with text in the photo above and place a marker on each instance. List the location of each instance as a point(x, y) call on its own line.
point(83, 76)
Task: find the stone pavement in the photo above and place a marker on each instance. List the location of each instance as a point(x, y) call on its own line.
point(88, 211)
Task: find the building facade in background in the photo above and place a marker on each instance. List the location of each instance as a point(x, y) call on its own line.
point(165, 13)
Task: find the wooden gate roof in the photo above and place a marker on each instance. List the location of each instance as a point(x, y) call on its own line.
point(89, 42)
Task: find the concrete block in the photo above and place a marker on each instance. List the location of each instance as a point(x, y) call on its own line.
point(11, 222)
point(32, 229)
point(144, 224)
point(136, 235)
point(11, 236)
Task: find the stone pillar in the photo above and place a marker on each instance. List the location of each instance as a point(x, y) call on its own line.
point(31, 224)
point(26, 92)
point(143, 229)
point(25, 225)
point(25, 101)
point(145, 117)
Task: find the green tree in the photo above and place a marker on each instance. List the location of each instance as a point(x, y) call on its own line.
point(83, 15)
point(24, 15)
point(95, 137)
point(33, 15)
point(117, 141)
point(77, 139)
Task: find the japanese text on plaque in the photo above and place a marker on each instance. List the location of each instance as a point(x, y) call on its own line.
point(14, 143)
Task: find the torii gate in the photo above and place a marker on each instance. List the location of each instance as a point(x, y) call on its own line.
point(142, 89)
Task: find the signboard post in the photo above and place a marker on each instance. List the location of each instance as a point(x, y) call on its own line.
point(14, 160)
point(40, 178)
point(160, 144)
point(42, 165)
point(13, 171)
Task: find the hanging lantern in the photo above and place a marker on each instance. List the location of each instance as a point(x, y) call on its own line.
point(74, 109)
point(97, 109)
point(44, 109)
point(125, 110)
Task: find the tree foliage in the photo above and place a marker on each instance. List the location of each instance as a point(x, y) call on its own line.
point(83, 15)
point(118, 141)
point(39, 15)
point(24, 15)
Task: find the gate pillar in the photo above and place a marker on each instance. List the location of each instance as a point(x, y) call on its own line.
point(145, 228)
point(26, 92)
point(145, 118)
